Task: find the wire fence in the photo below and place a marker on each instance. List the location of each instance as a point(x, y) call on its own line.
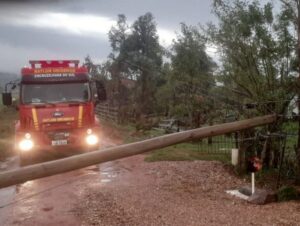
point(219, 144)
point(274, 144)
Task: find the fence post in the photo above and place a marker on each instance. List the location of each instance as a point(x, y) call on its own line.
point(241, 166)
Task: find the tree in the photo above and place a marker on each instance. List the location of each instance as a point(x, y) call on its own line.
point(165, 91)
point(118, 69)
point(257, 51)
point(192, 75)
point(291, 11)
point(92, 68)
point(118, 34)
point(139, 57)
point(145, 53)
point(98, 71)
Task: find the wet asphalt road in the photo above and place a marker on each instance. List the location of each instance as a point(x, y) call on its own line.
point(50, 200)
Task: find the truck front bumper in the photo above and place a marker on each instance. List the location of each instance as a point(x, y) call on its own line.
point(62, 141)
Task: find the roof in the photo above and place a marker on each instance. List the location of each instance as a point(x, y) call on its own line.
point(128, 83)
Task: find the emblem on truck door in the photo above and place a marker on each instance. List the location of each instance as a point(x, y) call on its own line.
point(57, 114)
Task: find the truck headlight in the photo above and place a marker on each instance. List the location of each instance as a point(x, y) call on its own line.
point(26, 145)
point(91, 139)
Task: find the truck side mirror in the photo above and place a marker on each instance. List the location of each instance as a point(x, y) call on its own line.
point(101, 92)
point(7, 99)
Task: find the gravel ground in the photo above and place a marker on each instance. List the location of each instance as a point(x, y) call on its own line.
point(175, 193)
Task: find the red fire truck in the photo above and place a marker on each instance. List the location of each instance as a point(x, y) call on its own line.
point(56, 109)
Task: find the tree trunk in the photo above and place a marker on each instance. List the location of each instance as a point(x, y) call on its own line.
point(267, 154)
point(210, 139)
point(298, 145)
point(241, 166)
point(271, 151)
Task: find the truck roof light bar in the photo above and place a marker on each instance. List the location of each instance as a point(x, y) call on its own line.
point(53, 63)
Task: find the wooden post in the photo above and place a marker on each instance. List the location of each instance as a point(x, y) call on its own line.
point(241, 166)
point(252, 183)
point(79, 161)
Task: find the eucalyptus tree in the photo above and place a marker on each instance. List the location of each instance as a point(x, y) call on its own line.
point(137, 54)
point(291, 14)
point(258, 49)
point(192, 76)
point(257, 52)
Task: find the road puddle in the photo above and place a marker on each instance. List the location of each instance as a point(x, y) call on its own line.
point(7, 195)
point(108, 172)
point(105, 180)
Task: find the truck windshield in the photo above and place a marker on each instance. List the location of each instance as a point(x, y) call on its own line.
point(55, 93)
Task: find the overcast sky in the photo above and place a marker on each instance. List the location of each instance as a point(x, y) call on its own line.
point(72, 29)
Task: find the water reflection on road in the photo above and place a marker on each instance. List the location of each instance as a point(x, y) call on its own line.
point(50, 200)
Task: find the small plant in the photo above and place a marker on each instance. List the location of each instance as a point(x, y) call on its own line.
point(7, 118)
point(287, 193)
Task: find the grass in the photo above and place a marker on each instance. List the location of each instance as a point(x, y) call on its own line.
point(120, 131)
point(7, 118)
point(194, 151)
point(181, 152)
point(135, 136)
point(287, 193)
point(185, 152)
point(291, 128)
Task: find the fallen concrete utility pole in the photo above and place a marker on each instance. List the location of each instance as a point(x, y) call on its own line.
point(79, 161)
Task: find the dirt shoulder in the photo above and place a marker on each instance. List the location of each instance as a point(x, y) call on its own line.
point(7, 118)
point(175, 193)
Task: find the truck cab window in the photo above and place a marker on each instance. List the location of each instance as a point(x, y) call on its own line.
point(55, 93)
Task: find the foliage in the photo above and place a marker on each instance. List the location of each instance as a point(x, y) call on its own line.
point(177, 153)
point(291, 13)
point(165, 92)
point(257, 47)
point(137, 55)
point(287, 193)
point(117, 35)
point(190, 78)
point(7, 118)
point(257, 50)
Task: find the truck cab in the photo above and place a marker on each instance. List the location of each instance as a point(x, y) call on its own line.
point(56, 109)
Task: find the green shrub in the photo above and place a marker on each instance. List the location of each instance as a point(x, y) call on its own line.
point(287, 193)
